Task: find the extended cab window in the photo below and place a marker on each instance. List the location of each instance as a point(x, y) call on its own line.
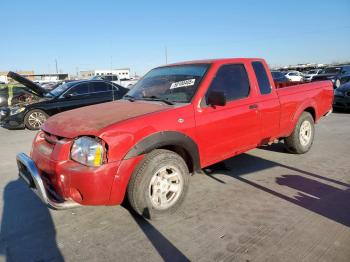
point(232, 80)
point(261, 76)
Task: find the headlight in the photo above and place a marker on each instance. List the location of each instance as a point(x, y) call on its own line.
point(16, 110)
point(87, 151)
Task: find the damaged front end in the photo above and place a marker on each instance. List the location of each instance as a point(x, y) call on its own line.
point(15, 99)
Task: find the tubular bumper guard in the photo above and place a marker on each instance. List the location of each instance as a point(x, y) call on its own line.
point(30, 174)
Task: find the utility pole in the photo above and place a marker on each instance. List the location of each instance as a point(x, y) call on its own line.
point(166, 55)
point(56, 66)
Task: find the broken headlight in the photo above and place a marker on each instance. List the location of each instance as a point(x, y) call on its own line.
point(16, 110)
point(88, 151)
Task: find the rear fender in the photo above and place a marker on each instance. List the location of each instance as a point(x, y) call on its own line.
point(310, 103)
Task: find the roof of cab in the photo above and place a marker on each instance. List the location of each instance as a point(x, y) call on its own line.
point(214, 61)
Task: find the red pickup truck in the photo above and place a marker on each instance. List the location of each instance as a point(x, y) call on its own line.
point(176, 120)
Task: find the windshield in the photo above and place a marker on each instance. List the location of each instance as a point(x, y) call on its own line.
point(331, 70)
point(172, 83)
point(311, 72)
point(60, 89)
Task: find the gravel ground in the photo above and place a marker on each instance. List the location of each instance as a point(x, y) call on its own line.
point(264, 205)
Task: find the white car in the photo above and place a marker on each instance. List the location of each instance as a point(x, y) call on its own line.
point(294, 76)
point(128, 83)
point(310, 74)
point(4, 80)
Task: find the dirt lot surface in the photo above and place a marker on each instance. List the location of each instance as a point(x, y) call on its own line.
point(265, 205)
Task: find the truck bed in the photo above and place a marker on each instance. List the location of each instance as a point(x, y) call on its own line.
point(318, 94)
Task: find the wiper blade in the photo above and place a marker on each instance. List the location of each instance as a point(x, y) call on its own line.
point(129, 97)
point(155, 98)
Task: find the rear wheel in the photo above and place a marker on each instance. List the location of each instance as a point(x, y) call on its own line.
point(159, 184)
point(34, 119)
point(300, 141)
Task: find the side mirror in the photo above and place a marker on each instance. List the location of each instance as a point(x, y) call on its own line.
point(216, 99)
point(69, 95)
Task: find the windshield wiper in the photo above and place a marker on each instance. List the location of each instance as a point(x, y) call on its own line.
point(129, 97)
point(155, 98)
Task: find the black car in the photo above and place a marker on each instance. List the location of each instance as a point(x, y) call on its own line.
point(279, 77)
point(32, 113)
point(342, 97)
point(337, 74)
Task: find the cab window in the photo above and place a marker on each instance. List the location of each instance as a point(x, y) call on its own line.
point(261, 76)
point(231, 79)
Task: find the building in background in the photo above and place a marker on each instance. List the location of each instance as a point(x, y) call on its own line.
point(122, 73)
point(41, 78)
point(28, 73)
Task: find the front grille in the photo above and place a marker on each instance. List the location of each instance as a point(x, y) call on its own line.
point(51, 139)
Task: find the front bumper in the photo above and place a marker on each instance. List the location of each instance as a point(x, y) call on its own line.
point(30, 174)
point(11, 121)
point(63, 183)
point(341, 102)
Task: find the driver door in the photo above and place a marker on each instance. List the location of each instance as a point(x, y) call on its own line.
point(224, 131)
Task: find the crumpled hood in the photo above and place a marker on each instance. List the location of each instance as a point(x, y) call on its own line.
point(91, 119)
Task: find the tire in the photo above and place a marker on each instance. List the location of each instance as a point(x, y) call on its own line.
point(300, 141)
point(150, 180)
point(35, 118)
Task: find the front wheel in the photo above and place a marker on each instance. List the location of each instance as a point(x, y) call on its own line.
point(300, 141)
point(159, 184)
point(34, 119)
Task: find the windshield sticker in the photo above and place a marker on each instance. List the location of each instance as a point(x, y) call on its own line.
point(184, 83)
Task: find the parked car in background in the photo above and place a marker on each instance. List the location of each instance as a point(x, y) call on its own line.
point(294, 76)
point(177, 120)
point(33, 113)
point(337, 74)
point(310, 74)
point(115, 79)
point(342, 97)
point(3, 79)
point(279, 77)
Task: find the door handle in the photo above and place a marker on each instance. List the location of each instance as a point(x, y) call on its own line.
point(254, 106)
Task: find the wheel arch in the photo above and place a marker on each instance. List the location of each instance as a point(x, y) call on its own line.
point(312, 111)
point(307, 106)
point(170, 140)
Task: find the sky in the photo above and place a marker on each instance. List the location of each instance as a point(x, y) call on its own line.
point(84, 35)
